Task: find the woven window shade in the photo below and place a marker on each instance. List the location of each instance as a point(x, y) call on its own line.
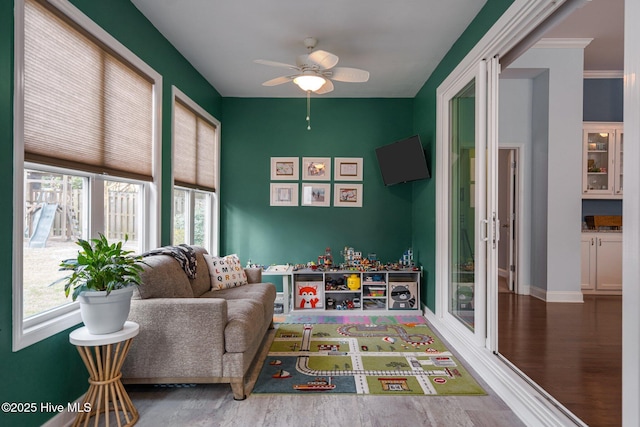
point(194, 149)
point(85, 109)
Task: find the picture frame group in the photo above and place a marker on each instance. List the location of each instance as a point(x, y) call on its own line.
point(313, 191)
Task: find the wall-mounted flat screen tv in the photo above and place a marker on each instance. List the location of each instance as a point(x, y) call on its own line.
point(402, 161)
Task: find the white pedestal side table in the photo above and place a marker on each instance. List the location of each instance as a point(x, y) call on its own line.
point(103, 355)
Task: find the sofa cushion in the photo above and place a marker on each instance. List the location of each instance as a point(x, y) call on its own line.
point(202, 282)
point(264, 293)
point(254, 275)
point(225, 272)
point(242, 330)
point(162, 278)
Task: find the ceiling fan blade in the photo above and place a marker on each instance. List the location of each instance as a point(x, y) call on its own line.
point(275, 64)
point(277, 81)
point(326, 88)
point(323, 58)
point(346, 74)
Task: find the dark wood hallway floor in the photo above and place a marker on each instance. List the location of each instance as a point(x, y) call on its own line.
point(573, 351)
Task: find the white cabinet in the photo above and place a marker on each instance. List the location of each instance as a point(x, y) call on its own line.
point(601, 263)
point(588, 262)
point(356, 291)
point(602, 160)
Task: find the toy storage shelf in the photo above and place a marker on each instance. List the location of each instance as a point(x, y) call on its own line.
point(354, 292)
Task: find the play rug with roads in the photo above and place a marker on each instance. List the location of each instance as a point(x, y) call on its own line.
point(377, 358)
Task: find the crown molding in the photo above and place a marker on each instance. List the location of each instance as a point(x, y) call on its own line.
point(568, 43)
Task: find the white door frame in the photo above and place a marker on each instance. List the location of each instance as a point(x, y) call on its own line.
point(493, 71)
point(522, 232)
point(507, 214)
point(631, 211)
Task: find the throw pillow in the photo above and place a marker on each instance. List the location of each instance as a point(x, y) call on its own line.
point(226, 272)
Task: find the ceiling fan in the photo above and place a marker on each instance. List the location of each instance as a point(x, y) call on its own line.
point(315, 71)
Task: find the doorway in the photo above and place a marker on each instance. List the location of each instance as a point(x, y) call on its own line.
point(509, 217)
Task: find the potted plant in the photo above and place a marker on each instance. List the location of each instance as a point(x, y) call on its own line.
point(103, 279)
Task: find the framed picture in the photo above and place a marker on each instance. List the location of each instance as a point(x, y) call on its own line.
point(347, 195)
point(316, 168)
point(348, 169)
point(284, 194)
point(285, 168)
point(316, 194)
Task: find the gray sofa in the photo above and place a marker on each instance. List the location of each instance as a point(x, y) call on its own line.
point(190, 333)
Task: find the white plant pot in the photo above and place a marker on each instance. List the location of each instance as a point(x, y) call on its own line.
point(105, 314)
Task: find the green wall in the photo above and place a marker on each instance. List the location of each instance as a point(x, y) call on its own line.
point(51, 370)
point(254, 130)
point(424, 122)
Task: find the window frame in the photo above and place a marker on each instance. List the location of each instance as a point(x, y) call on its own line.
point(41, 326)
point(213, 236)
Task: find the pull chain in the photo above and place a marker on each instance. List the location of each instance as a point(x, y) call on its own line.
point(308, 110)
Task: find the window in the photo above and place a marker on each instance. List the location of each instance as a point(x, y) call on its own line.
point(86, 155)
point(56, 215)
point(195, 174)
point(55, 207)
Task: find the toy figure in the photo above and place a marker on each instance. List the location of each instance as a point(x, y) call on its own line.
point(407, 258)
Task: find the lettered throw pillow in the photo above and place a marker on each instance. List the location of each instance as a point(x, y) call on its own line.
point(226, 272)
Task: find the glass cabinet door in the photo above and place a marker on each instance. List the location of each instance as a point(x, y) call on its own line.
point(603, 155)
point(598, 155)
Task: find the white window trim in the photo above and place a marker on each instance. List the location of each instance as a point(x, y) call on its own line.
point(42, 326)
point(214, 232)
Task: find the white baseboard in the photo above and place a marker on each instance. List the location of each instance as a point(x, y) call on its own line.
point(556, 296)
point(534, 407)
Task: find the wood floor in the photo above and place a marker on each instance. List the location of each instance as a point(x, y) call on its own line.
point(573, 351)
point(213, 405)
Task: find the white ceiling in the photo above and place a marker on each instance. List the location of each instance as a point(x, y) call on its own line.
point(398, 42)
point(602, 20)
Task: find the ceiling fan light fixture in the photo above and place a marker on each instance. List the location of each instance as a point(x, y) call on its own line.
point(309, 82)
